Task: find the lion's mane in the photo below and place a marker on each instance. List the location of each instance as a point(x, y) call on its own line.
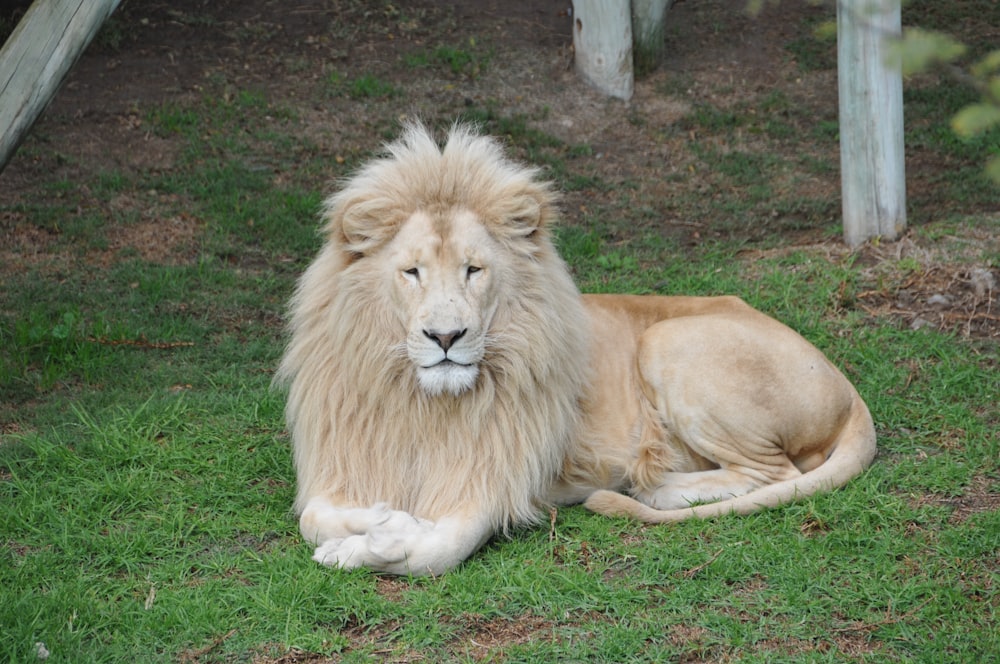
point(362, 428)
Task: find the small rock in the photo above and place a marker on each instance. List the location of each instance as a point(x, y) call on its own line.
point(982, 281)
point(919, 322)
point(939, 300)
point(41, 651)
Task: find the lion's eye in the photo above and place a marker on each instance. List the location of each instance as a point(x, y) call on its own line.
point(471, 270)
point(412, 272)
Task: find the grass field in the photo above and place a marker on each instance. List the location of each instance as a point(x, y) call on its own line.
point(145, 473)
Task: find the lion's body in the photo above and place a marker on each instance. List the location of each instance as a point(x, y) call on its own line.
point(709, 400)
point(447, 379)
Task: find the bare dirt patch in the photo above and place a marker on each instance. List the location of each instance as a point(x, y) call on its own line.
point(161, 241)
point(24, 243)
point(169, 241)
point(391, 588)
point(947, 290)
point(979, 496)
point(481, 637)
point(946, 284)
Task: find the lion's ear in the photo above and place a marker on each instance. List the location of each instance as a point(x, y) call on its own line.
point(529, 212)
point(360, 225)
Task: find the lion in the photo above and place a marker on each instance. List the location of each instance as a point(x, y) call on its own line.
point(447, 380)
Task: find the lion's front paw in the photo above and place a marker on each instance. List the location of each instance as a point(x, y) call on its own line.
point(328, 553)
point(386, 546)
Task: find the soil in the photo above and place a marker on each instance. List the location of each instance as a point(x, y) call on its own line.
point(156, 53)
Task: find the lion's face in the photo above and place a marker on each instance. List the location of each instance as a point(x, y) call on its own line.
point(443, 278)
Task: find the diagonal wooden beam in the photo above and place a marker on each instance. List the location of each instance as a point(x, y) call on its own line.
point(34, 61)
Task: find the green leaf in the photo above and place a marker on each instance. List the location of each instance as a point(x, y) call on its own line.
point(919, 49)
point(993, 88)
point(975, 118)
point(754, 7)
point(987, 65)
point(993, 169)
point(827, 30)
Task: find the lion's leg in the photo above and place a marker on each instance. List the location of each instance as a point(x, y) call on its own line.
point(677, 490)
point(388, 540)
point(737, 463)
point(746, 396)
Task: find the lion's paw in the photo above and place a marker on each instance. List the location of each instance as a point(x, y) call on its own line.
point(389, 541)
point(322, 521)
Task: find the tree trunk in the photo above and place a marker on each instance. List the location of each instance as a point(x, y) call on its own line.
point(602, 42)
point(872, 171)
point(36, 58)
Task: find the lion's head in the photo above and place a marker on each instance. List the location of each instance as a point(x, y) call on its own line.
point(438, 322)
point(448, 233)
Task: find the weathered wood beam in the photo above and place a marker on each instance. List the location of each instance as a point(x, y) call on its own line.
point(872, 170)
point(648, 25)
point(36, 58)
point(602, 45)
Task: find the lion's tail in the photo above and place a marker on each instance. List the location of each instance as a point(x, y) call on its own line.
point(854, 451)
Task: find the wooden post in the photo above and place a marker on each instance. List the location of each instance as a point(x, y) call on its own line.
point(872, 172)
point(602, 43)
point(648, 19)
point(36, 58)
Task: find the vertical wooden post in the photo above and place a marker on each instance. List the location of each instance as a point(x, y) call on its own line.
point(602, 45)
point(872, 171)
point(648, 20)
point(36, 58)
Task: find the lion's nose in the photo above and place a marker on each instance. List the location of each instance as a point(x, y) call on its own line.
point(445, 339)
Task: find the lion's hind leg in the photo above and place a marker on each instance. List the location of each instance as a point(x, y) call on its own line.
point(692, 457)
point(678, 490)
point(675, 496)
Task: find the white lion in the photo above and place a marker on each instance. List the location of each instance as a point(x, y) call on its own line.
point(446, 378)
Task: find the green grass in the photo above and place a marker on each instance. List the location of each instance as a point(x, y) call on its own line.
point(366, 87)
point(146, 477)
point(150, 521)
point(162, 527)
point(468, 60)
